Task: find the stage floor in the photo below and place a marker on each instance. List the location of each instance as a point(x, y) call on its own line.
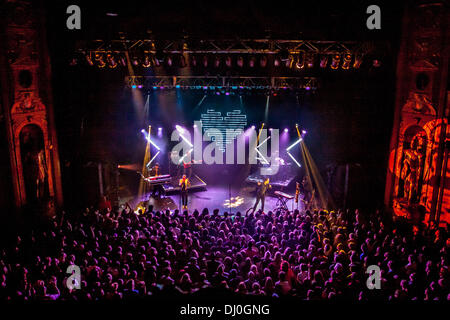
point(215, 197)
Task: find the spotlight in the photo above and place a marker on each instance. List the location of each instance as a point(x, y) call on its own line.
point(276, 62)
point(143, 131)
point(134, 86)
point(253, 127)
point(346, 62)
point(140, 86)
point(286, 130)
point(376, 63)
point(304, 131)
point(335, 61)
point(179, 128)
point(159, 129)
point(195, 126)
point(307, 88)
point(135, 60)
point(323, 61)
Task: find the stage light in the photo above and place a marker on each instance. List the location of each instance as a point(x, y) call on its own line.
point(195, 126)
point(100, 60)
point(290, 61)
point(218, 93)
point(276, 62)
point(310, 60)
point(217, 62)
point(292, 157)
point(146, 63)
point(177, 86)
point(169, 61)
point(240, 62)
point(134, 86)
point(143, 131)
point(89, 60)
point(263, 61)
point(155, 87)
point(286, 130)
point(182, 61)
point(159, 129)
point(251, 62)
point(228, 62)
point(179, 128)
point(111, 60)
point(135, 60)
point(294, 144)
point(335, 61)
point(300, 63)
point(357, 62)
point(253, 127)
point(323, 61)
point(193, 61)
point(346, 62)
point(376, 63)
point(304, 131)
point(122, 61)
point(140, 86)
point(227, 93)
point(308, 88)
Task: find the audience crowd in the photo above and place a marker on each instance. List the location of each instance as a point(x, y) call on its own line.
point(314, 255)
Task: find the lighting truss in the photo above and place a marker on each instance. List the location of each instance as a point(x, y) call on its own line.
point(221, 82)
point(224, 46)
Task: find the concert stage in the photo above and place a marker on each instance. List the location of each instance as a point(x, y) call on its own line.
point(216, 197)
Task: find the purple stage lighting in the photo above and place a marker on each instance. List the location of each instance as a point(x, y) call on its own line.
point(286, 130)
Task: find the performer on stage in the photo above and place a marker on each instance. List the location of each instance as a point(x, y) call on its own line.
point(261, 193)
point(184, 184)
point(297, 193)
